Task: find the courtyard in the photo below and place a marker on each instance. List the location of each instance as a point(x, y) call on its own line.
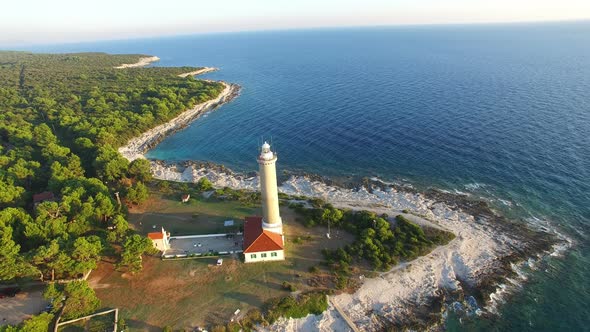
point(204, 244)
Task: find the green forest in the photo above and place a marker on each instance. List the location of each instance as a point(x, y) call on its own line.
point(62, 118)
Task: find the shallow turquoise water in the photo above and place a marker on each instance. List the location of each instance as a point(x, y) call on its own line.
point(499, 111)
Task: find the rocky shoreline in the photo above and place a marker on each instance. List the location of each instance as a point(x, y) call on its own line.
point(472, 272)
point(136, 147)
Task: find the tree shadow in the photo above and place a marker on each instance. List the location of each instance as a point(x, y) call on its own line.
point(250, 299)
point(216, 318)
point(283, 276)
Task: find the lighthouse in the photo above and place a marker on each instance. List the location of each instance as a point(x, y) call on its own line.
point(263, 235)
point(271, 218)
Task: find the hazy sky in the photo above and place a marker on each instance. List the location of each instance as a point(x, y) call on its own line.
point(46, 21)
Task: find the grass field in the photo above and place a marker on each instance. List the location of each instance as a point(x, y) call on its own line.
point(191, 293)
point(197, 216)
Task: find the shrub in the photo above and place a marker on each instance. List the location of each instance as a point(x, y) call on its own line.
point(121, 324)
point(438, 236)
point(204, 184)
point(283, 196)
point(377, 241)
point(233, 327)
point(289, 287)
point(164, 186)
point(218, 328)
point(317, 202)
point(289, 307)
point(138, 193)
point(341, 282)
point(309, 223)
point(253, 317)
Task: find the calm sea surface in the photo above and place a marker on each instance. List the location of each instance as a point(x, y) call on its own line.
point(497, 111)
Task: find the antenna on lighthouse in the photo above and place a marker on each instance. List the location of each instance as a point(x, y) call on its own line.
point(274, 150)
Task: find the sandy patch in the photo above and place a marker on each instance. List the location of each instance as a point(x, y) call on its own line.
point(141, 63)
point(200, 71)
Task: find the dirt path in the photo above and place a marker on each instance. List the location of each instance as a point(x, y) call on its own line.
point(24, 305)
point(344, 316)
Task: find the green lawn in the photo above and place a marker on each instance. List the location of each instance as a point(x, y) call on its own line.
point(197, 216)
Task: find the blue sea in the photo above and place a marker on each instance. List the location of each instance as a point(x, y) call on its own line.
point(501, 112)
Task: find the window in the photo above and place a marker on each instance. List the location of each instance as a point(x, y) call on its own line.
point(253, 256)
point(273, 254)
point(263, 255)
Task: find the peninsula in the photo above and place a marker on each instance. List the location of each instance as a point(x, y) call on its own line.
point(79, 197)
point(474, 265)
point(142, 62)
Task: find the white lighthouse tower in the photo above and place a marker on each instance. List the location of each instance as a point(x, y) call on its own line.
point(271, 219)
point(263, 236)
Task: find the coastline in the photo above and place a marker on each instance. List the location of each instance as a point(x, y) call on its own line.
point(480, 264)
point(142, 62)
point(199, 72)
point(136, 147)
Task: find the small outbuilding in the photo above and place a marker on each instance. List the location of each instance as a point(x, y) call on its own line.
point(185, 198)
point(160, 240)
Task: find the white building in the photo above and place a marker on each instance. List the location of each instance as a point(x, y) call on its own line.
point(271, 218)
point(263, 236)
point(160, 240)
point(260, 244)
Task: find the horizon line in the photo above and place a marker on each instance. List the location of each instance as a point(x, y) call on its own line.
point(5, 47)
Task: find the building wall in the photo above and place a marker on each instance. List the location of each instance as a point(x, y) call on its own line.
point(270, 195)
point(161, 244)
point(280, 255)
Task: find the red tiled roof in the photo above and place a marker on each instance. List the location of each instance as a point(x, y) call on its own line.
point(256, 239)
point(267, 241)
point(156, 235)
point(44, 196)
point(252, 229)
